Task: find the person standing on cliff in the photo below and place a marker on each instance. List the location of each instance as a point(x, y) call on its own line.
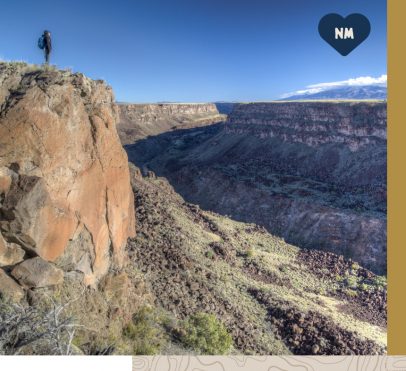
point(44, 42)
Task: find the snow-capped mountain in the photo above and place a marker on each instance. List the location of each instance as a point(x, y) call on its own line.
point(359, 88)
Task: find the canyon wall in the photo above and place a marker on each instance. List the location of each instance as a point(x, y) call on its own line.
point(342, 143)
point(313, 173)
point(138, 121)
point(65, 195)
point(356, 124)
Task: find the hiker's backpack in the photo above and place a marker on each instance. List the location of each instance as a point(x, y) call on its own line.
point(41, 42)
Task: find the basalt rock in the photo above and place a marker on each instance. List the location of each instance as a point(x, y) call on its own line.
point(63, 172)
point(37, 272)
point(10, 253)
point(9, 289)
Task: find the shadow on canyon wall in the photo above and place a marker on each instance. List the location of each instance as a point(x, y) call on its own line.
point(287, 188)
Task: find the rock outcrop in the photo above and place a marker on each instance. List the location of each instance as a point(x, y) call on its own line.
point(36, 272)
point(138, 121)
point(313, 173)
point(65, 192)
point(9, 289)
point(10, 253)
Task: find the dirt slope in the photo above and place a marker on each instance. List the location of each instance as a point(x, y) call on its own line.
point(273, 298)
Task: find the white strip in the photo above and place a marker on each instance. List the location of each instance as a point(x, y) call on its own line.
point(62, 363)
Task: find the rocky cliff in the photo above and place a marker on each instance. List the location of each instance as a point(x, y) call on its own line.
point(314, 124)
point(138, 121)
point(65, 194)
point(313, 173)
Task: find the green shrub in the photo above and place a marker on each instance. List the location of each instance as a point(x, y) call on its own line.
point(210, 254)
point(206, 334)
point(339, 278)
point(379, 281)
point(351, 282)
point(145, 332)
point(250, 253)
point(351, 293)
point(355, 266)
point(363, 287)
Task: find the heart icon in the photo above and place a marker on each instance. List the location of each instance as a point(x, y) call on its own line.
point(344, 34)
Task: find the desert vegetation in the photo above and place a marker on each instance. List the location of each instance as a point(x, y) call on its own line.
point(41, 329)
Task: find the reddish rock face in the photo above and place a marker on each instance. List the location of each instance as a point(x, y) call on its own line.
point(64, 178)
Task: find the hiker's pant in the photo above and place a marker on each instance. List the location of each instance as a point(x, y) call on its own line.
point(47, 53)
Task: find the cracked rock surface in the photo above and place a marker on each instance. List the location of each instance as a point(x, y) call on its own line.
point(64, 176)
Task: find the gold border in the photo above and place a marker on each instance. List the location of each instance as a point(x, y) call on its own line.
point(396, 178)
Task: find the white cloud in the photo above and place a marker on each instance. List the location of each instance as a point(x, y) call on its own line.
point(358, 81)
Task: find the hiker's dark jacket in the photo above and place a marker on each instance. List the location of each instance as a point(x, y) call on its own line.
point(48, 44)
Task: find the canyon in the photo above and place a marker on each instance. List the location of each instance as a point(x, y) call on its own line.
point(313, 173)
point(138, 121)
point(132, 251)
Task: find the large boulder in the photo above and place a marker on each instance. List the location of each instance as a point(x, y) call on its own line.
point(37, 272)
point(9, 289)
point(63, 171)
point(10, 253)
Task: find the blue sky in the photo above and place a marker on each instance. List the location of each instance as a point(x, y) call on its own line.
point(194, 50)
